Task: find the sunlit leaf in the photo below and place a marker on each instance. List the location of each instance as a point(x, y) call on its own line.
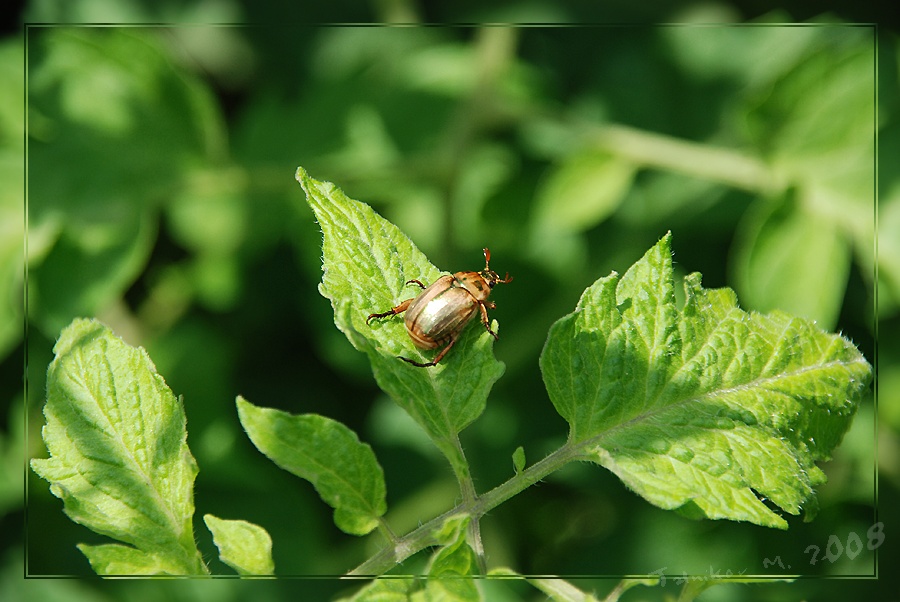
point(119, 458)
point(367, 261)
point(245, 547)
point(708, 409)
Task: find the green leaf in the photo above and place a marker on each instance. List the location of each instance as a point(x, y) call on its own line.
point(814, 124)
point(452, 565)
point(93, 92)
point(582, 191)
point(90, 265)
point(119, 458)
point(814, 120)
point(518, 458)
point(577, 194)
point(367, 261)
point(326, 453)
point(245, 547)
point(451, 529)
point(708, 409)
point(118, 560)
point(786, 252)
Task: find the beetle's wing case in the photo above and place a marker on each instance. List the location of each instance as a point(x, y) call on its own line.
point(439, 312)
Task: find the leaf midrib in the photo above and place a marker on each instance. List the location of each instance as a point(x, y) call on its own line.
point(594, 440)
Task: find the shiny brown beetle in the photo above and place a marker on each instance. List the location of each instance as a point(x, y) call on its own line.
point(439, 313)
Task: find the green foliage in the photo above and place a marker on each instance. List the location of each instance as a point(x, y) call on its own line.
point(326, 453)
point(518, 458)
point(12, 163)
point(705, 409)
point(815, 127)
point(709, 407)
point(86, 108)
point(245, 547)
point(119, 458)
point(450, 564)
point(367, 261)
point(159, 203)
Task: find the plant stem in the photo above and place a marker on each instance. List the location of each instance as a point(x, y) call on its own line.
point(716, 164)
point(467, 489)
point(476, 507)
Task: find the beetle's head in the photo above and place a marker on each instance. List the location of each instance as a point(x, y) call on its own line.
point(489, 275)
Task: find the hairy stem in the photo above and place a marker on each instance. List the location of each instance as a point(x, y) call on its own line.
point(476, 507)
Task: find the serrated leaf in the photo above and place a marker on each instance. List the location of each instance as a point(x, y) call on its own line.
point(367, 261)
point(708, 409)
point(119, 458)
point(326, 453)
point(245, 547)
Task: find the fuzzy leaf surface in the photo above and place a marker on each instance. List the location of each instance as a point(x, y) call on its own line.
point(119, 458)
point(366, 262)
point(707, 409)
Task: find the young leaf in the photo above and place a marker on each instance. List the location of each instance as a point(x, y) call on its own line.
point(518, 458)
point(245, 547)
point(119, 458)
point(710, 409)
point(326, 453)
point(452, 564)
point(367, 262)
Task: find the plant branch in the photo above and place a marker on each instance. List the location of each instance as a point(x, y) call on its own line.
point(477, 507)
point(716, 164)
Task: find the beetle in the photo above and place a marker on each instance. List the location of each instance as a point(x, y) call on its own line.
point(438, 314)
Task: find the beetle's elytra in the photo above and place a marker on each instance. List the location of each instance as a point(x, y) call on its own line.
point(442, 309)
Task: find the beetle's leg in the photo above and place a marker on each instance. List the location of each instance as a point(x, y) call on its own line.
point(417, 282)
point(484, 318)
point(435, 360)
point(394, 311)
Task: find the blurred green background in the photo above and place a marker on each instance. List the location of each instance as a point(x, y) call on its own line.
point(161, 200)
